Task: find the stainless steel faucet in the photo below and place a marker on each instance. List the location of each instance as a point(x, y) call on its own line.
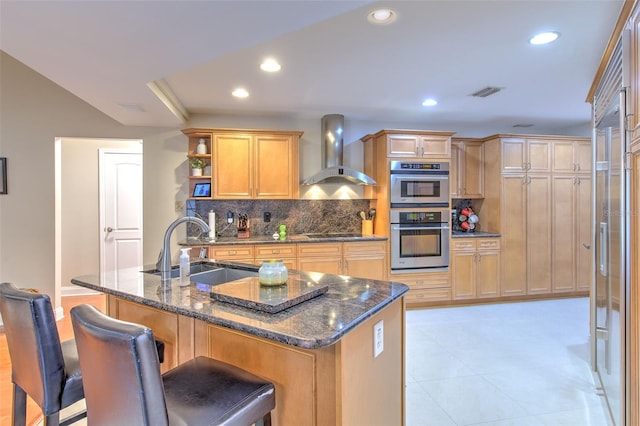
point(164, 260)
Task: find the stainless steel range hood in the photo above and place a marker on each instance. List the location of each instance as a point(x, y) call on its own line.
point(332, 143)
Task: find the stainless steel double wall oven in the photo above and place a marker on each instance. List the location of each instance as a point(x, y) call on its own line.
point(419, 216)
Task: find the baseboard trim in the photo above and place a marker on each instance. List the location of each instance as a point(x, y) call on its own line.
point(74, 290)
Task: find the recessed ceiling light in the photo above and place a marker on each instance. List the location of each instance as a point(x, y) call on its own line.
point(544, 38)
point(270, 65)
point(382, 16)
point(240, 93)
point(429, 102)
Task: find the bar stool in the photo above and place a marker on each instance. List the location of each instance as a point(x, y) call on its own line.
point(123, 384)
point(41, 366)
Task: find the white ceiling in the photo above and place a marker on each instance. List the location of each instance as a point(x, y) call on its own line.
point(333, 60)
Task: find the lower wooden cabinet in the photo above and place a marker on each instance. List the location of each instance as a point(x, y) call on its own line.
point(426, 288)
point(361, 259)
point(475, 268)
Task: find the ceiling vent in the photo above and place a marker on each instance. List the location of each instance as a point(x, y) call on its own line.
point(523, 125)
point(487, 91)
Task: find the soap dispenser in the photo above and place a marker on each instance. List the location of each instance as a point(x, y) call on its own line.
point(185, 267)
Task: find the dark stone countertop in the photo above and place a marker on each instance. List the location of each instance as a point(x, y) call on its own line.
point(479, 234)
point(316, 323)
point(293, 238)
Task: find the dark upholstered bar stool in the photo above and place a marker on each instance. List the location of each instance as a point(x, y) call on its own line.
point(123, 384)
point(41, 367)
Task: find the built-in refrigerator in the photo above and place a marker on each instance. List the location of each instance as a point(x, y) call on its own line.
point(611, 275)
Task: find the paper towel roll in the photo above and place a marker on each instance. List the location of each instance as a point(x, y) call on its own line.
point(212, 224)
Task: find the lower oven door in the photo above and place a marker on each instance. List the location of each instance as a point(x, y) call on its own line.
point(421, 246)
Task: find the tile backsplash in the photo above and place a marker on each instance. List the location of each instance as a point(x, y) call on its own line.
point(300, 216)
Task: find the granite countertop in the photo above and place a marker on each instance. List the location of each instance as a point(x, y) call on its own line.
point(293, 238)
point(478, 234)
point(315, 323)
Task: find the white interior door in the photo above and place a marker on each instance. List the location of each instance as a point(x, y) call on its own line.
point(120, 210)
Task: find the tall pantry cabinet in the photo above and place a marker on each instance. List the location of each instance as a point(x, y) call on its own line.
point(538, 197)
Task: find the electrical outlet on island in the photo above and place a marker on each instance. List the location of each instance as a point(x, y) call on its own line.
point(378, 338)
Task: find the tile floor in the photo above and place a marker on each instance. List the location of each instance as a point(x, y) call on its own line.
point(503, 364)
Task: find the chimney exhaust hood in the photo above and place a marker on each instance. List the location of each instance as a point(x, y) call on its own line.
point(332, 144)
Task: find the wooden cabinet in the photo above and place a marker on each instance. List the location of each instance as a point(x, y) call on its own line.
point(286, 252)
point(571, 222)
point(249, 164)
point(475, 268)
point(571, 157)
point(521, 155)
point(195, 136)
point(467, 169)
point(425, 289)
point(360, 259)
point(414, 143)
point(365, 260)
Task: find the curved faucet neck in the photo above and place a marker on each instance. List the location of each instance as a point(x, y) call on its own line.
point(164, 261)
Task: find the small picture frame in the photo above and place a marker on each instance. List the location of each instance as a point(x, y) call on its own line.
point(3, 175)
point(202, 190)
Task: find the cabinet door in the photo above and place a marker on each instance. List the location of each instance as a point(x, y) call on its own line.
point(457, 170)
point(538, 232)
point(233, 166)
point(372, 266)
point(488, 273)
point(513, 155)
point(513, 278)
point(563, 232)
point(273, 165)
point(564, 160)
point(538, 156)
point(463, 274)
point(402, 146)
point(583, 156)
point(325, 265)
point(434, 146)
point(584, 251)
point(473, 174)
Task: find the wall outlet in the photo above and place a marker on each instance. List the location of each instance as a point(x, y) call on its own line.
point(267, 216)
point(229, 217)
point(378, 338)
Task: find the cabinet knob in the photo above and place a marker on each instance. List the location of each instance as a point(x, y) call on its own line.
point(108, 229)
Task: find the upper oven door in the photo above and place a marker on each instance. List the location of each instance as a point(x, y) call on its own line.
point(417, 189)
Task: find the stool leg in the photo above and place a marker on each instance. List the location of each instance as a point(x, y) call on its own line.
point(19, 413)
point(52, 419)
point(266, 420)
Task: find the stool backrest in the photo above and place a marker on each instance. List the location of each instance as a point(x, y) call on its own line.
point(120, 370)
point(37, 363)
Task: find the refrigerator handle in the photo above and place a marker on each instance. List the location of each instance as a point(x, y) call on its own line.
point(603, 248)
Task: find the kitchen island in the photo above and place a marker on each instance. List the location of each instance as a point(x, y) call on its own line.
point(319, 353)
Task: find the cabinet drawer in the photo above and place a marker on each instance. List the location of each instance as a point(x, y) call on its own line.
point(463, 244)
point(275, 250)
point(365, 247)
point(423, 281)
point(231, 252)
point(489, 244)
point(319, 249)
point(427, 295)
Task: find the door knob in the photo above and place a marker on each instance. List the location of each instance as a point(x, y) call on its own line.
point(108, 229)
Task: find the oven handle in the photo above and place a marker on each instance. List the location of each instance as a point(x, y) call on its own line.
point(417, 228)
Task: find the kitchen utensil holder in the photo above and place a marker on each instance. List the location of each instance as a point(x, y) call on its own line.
point(367, 227)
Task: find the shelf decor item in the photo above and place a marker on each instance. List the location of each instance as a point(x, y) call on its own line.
point(202, 146)
point(197, 164)
point(3, 175)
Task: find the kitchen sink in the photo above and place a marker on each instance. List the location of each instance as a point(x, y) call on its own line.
point(196, 267)
point(221, 275)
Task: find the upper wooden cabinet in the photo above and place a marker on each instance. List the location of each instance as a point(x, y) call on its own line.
point(571, 157)
point(525, 155)
point(467, 169)
point(253, 164)
point(414, 143)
